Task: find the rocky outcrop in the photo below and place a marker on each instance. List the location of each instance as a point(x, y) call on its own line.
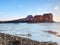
point(6, 39)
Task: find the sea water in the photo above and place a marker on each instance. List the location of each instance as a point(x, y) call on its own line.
point(36, 30)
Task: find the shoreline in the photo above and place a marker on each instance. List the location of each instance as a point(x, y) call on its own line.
point(7, 39)
point(24, 22)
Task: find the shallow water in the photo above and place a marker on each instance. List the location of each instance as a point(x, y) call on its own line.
point(36, 30)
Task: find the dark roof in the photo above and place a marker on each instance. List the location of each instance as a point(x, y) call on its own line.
point(29, 16)
point(38, 16)
point(47, 14)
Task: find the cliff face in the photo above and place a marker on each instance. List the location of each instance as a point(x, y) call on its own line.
point(30, 19)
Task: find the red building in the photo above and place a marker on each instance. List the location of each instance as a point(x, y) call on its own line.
point(40, 18)
point(37, 18)
point(48, 17)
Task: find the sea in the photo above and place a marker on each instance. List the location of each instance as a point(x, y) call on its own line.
point(37, 31)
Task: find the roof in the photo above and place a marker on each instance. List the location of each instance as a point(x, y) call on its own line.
point(47, 14)
point(29, 16)
point(38, 16)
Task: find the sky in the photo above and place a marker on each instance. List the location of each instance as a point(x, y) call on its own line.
point(15, 9)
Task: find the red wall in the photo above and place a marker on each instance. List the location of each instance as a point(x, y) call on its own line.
point(47, 17)
point(37, 18)
point(42, 18)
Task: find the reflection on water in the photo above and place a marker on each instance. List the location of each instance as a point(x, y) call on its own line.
point(34, 31)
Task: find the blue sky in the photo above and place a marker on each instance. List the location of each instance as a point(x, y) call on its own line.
point(14, 9)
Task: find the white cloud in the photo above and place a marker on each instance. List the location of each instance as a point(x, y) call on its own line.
point(56, 8)
point(39, 9)
point(57, 18)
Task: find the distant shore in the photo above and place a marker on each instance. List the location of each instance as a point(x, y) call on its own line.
point(45, 18)
point(6, 39)
point(18, 21)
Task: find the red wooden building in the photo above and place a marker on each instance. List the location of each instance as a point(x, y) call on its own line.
point(38, 18)
point(48, 17)
point(41, 18)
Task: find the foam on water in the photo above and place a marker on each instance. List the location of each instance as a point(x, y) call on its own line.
point(36, 30)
